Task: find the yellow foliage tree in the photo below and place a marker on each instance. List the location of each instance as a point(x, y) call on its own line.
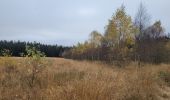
point(95, 39)
point(120, 28)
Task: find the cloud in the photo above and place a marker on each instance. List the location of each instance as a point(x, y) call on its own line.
point(66, 21)
point(87, 12)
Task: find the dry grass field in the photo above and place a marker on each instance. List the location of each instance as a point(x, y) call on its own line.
point(63, 79)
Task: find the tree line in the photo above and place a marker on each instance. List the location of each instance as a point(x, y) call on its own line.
point(126, 40)
point(18, 49)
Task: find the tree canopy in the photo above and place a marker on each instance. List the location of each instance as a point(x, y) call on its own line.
point(126, 40)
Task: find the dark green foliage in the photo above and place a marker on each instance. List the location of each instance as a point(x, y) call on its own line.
point(19, 48)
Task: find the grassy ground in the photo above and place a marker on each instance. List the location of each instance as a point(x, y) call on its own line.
point(61, 79)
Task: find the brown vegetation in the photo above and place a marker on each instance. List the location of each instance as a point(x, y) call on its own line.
point(125, 40)
point(63, 79)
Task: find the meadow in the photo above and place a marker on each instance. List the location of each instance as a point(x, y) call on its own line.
point(64, 79)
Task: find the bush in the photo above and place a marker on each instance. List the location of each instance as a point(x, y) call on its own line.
point(35, 64)
point(165, 76)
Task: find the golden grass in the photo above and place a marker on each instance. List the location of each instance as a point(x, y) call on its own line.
point(82, 80)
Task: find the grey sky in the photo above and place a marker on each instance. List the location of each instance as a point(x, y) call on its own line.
point(66, 22)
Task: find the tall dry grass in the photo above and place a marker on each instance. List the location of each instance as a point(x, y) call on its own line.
point(63, 79)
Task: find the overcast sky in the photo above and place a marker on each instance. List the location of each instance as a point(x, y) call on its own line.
point(66, 22)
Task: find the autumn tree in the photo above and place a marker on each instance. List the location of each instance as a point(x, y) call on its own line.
point(95, 39)
point(125, 41)
point(120, 27)
point(111, 35)
point(119, 35)
point(142, 19)
point(155, 31)
point(151, 46)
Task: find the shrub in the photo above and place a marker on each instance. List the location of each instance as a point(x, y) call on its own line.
point(6, 53)
point(165, 76)
point(35, 64)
